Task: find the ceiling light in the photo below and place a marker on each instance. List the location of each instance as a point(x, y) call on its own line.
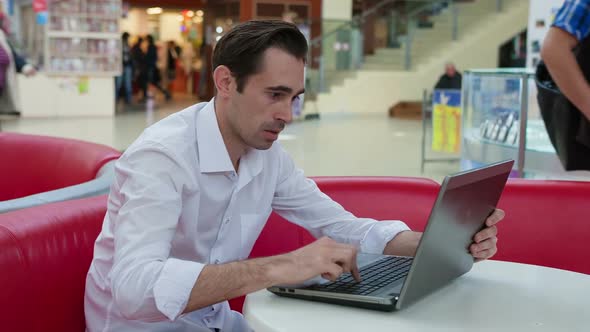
point(154, 11)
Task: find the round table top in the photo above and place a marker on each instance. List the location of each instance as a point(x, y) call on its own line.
point(494, 296)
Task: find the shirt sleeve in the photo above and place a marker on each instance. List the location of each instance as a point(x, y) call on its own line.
point(145, 206)
point(574, 18)
point(299, 200)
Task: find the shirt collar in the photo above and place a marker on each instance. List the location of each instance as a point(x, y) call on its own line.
point(213, 154)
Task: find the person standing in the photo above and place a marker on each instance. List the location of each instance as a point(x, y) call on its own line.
point(153, 76)
point(11, 63)
point(570, 29)
point(126, 76)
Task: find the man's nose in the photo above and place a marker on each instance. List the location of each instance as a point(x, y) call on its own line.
point(286, 114)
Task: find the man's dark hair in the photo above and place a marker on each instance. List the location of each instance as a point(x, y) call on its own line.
point(241, 48)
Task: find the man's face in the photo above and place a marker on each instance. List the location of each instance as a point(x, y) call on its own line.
point(450, 70)
point(260, 112)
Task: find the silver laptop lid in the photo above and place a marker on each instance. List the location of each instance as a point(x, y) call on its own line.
point(464, 202)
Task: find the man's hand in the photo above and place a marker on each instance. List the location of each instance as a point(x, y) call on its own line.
point(219, 282)
point(483, 247)
point(484, 242)
point(324, 257)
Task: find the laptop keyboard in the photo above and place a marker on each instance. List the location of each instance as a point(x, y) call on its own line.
point(373, 276)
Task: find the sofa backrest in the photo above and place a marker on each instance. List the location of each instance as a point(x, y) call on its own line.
point(33, 164)
point(45, 253)
point(547, 223)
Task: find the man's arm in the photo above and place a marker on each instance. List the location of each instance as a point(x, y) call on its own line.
point(218, 283)
point(561, 62)
point(299, 200)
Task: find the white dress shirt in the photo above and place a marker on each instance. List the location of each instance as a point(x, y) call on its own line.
point(177, 204)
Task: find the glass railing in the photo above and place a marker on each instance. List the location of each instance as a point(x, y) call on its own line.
point(399, 32)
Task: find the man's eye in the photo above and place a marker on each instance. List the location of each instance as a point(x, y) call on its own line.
point(276, 95)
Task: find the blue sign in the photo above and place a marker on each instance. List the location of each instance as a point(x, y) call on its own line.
point(447, 97)
point(42, 18)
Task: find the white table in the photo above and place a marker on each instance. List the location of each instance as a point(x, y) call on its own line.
point(493, 296)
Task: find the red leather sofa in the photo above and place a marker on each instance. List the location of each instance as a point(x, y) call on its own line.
point(39, 169)
point(547, 223)
point(45, 251)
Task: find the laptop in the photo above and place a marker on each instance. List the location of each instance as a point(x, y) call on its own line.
point(390, 283)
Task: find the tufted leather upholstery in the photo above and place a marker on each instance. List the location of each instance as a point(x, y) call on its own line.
point(34, 164)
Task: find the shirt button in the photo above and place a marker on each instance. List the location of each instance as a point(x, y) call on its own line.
point(226, 221)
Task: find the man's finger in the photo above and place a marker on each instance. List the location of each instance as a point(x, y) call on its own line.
point(485, 245)
point(485, 234)
point(355, 270)
point(496, 217)
point(333, 272)
point(485, 254)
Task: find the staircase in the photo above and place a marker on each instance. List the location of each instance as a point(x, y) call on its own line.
point(427, 42)
point(383, 82)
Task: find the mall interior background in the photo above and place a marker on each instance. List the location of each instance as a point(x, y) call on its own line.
point(369, 108)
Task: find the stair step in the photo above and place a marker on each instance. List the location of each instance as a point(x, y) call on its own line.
point(427, 40)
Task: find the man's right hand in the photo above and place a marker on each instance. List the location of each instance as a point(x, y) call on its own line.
point(219, 282)
point(324, 257)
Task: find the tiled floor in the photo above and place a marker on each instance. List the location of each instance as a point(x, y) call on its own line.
point(336, 144)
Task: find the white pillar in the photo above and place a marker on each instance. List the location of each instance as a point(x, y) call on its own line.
point(337, 9)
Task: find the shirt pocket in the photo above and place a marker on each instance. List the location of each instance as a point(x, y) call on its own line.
point(251, 226)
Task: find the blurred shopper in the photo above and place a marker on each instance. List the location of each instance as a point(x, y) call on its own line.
point(153, 76)
point(172, 56)
point(451, 79)
point(138, 59)
point(563, 84)
point(10, 63)
point(571, 29)
point(171, 60)
point(126, 77)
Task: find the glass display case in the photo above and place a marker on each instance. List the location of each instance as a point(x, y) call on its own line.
point(498, 106)
point(83, 37)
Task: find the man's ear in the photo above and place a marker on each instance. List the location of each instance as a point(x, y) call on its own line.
point(224, 81)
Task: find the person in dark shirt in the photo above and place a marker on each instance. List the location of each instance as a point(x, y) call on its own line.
point(125, 79)
point(138, 62)
point(153, 73)
point(451, 79)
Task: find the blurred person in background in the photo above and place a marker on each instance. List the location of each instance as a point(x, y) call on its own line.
point(10, 64)
point(172, 56)
point(153, 76)
point(451, 79)
point(570, 29)
point(138, 60)
point(126, 76)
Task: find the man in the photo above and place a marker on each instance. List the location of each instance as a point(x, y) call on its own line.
point(451, 79)
point(571, 28)
point(192, 194)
